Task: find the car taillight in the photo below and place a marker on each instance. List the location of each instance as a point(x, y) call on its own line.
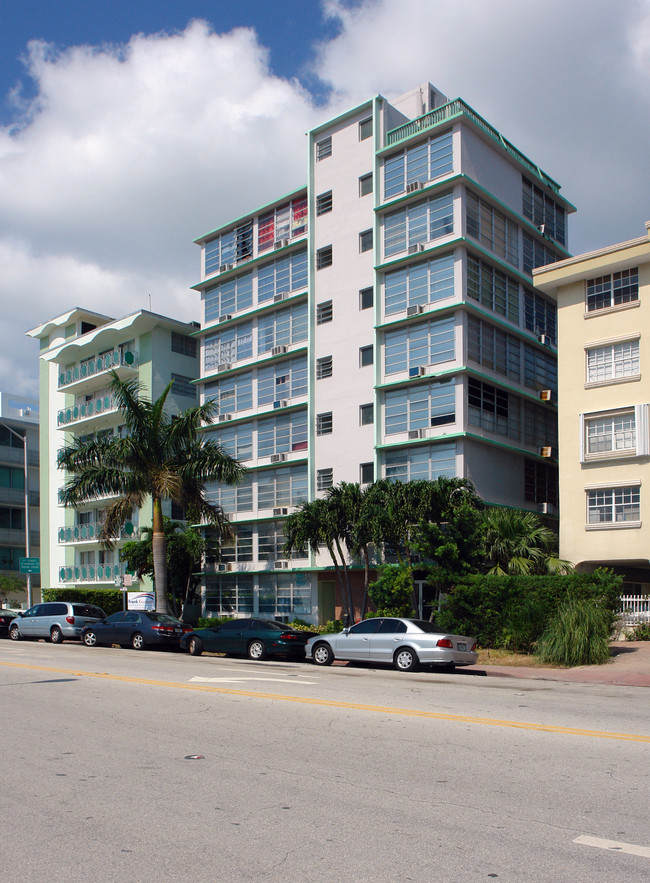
point(70, 620)
point(445, 642)
point(187, 628)
point(289, 637)
point(162, 628)
point(473, 647)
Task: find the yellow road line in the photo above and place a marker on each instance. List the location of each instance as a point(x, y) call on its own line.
point(332, 703)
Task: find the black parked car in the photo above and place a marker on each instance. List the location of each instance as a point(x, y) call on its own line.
point(6, 618)
point(138, 629)
point(256, 638)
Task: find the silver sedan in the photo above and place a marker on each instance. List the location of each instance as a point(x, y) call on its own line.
point(406, 643)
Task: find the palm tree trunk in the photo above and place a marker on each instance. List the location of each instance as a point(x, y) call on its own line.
point(159, 551)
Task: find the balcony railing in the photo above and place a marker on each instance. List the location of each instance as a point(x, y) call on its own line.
point(92, 408)
point(459, 108)
point(91, 533)
point(98, 365)
point(91, 573)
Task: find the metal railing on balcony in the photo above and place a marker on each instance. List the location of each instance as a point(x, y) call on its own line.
point(458, 108)
point(91, 573)
point(97, 365)
point(92, 533)
point(91, 408)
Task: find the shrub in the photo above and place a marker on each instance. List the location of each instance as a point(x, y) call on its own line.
point(331, 627)
point(577, 635)
point(392, 593)
point(638, 632)
point(210, 622)
point(110, 600)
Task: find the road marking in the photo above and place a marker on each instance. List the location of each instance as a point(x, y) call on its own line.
point(614, 845)
point(332, 703)
point(227, 680)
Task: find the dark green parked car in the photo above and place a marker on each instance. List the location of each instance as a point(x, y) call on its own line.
point(255, 638)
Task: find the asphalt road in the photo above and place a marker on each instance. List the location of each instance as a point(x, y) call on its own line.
point(126, 766)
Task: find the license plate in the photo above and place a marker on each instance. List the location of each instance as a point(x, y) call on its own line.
point(178, 631)
point(461, 646)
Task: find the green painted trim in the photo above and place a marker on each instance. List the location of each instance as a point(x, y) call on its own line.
point(470, 436)
point(241, 369)
point(250, 264)
point(250, 313)
point(341, 118)
point(248, 216)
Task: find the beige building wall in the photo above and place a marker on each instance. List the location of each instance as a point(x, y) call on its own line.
point(603, 360)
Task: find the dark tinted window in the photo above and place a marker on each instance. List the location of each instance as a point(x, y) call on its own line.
point(132, 617)
point(88, 610)
point(115, 617)
point(367, 627)
point(53, 609)
point(160, 617)
point(391, 627)
point(232, 626)
point(268, 624)
point(425, 626)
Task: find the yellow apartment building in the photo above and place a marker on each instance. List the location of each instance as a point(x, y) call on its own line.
point(603, 311)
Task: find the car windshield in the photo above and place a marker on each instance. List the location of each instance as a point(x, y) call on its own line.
point(88, 610)
point(162, 617)
point(269, 624)
point(425, 626)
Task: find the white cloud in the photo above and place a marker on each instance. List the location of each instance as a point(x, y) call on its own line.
point(129, 152)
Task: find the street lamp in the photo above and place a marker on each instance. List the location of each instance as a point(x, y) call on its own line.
point(23, 439)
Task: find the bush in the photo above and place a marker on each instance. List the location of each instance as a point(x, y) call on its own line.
point(110, 600)
point(512, 612)
point(577, 635)
point(392, 593)
point(210, 622)
point(331, 627)
point(638, 632)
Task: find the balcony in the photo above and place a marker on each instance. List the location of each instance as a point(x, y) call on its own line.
point(88, 410)
point(98, 366)
point(91, 573)
point(91, 533)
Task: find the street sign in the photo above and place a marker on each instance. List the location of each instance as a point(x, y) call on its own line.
point(29, 565)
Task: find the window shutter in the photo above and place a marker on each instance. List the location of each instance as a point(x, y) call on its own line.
point(582, 438)
point(641, 420)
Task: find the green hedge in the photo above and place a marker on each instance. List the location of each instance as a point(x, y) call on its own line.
point(110, 600)
point(512, 612)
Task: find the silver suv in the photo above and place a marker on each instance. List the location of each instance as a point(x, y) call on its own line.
point(56, 620)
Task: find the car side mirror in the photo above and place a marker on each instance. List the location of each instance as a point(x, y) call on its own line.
point(345, 631)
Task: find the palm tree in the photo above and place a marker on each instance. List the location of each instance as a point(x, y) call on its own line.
point(518, 542)
point(161, 456)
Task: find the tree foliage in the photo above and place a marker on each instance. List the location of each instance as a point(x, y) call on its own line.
point(161, 456)
point(519, 542)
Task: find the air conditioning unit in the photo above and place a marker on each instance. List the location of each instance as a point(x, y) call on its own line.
point(224, 418)
point(545, 339)
point(281, 565)
point(542, 229)
point(414, 249)
point(25, 412)
point(546, 508)
point(280, 243)
point(416, 372)
point(225, 318)
point(278, 350)
point(224, 267)
point(278, 458)
point(281, 510)
point(280, 403)
point(414, 310)
point(281, 295)
point(546, 395)
point(222, 568)
point(225, 366)
point(414, 185)
point(417, 433)
point(546, 451)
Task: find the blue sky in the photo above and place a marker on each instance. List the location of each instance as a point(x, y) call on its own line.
point(129, 129)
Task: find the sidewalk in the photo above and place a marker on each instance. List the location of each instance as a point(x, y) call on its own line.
point(629, 667)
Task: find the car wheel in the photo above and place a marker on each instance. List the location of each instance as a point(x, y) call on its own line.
point(195, 646)
point(56, 635)
point(14, 633)
point(256, 650)
point(322, 654)
point(405, 659)
point(137, 641)
point(90, 639)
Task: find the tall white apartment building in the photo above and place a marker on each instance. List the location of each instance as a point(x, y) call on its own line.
point(380, 322)
point(78, 350)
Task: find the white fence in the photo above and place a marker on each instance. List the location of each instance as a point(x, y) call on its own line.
point(635, 609)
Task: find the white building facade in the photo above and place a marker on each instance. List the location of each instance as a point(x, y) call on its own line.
point(380, 322)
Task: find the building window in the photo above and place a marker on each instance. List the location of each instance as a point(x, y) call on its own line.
point(324, 203)
point(613, 290)
point(543, 211)
point(324, 312)
point(492, 228)
point(11, 519)
point(365, 129)
point(183, 386)
point(324, 257)
point(365, 241)
point(624, 432)
point(366, 356)
point(617, 505)
point(366, 414)
point(536, 253)
point(418, 284)
point(231, 345)
point(281, 277)
point(282, 328)
point(324, 423)
point(227, 298)
point(419, 407)
point(540, 483)
point(493, 289)
point(415, 166)
point(365, 184)
point(493, 348)
point(324, 148)
point(418, 346)
point(421, 462)
point(366, 298)
point(493, 409)
point(540, 316)
point(183, 344)
point(366, 473)
point(613, 362)
point(323, 367)
point(324, 479)
point(418, 224)
point(277, 435)
point(277, 227)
